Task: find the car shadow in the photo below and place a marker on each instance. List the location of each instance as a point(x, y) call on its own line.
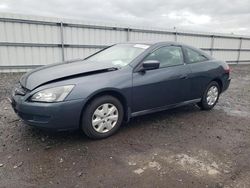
point(163, 115)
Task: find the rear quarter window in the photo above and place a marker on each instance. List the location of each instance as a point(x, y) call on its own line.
point(194, 56)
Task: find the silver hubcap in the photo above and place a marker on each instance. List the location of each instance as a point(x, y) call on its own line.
point(212, 95)
point(105, 117)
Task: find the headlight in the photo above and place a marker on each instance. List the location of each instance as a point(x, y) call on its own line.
point(55, 94)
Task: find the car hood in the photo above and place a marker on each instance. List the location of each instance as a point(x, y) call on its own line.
point(58, 71)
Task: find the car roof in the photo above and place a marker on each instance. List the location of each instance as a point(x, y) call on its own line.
point(160, 43)
point(153, 42)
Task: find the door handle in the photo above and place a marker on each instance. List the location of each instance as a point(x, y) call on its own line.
point(184, 76)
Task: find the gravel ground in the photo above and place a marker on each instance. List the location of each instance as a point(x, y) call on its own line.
point(183, 147)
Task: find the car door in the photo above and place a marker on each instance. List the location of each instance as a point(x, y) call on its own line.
point(169, 84)
point(200, 71)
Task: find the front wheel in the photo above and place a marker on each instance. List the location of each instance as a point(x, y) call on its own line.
point(210, 96)
point(102, 117)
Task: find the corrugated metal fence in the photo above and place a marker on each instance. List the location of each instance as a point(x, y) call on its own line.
point(29, 41)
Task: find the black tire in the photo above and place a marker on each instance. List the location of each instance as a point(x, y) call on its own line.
point(86, 124)
point(203, 104)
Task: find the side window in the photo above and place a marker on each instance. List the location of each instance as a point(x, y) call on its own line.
point(194, 56)
point(167, 56)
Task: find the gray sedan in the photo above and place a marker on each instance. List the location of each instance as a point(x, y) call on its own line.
point(98, 93)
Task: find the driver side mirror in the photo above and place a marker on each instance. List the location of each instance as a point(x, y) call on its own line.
point(150, 65)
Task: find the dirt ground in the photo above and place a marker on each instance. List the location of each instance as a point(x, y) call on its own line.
point(182, 147)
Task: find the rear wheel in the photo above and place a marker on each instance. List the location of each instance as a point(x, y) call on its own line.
point(102, 117)
point(210, 96)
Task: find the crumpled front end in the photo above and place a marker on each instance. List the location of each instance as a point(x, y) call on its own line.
point(57, 116)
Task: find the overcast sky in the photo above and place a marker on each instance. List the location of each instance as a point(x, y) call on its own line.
point(224, 16)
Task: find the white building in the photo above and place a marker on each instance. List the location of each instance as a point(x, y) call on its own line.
point(30, 41)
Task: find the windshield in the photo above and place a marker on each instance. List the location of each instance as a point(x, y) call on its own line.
point(120, 54)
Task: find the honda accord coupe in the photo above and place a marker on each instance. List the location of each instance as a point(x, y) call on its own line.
point(98, 93)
